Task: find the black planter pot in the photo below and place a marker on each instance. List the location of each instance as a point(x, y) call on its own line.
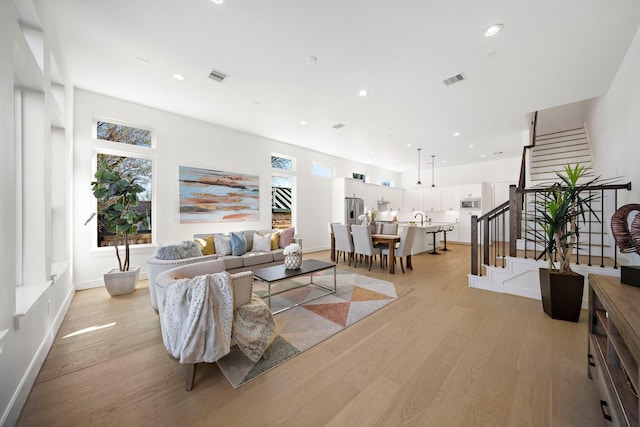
point(561, 294)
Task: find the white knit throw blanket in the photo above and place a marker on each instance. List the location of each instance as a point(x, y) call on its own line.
point(198, 320)
point(198, 317)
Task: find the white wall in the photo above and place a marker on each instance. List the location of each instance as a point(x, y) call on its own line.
point(563, 117)
point(31, 306)
point(181, 141)
point(614, 129)
point(503, 170)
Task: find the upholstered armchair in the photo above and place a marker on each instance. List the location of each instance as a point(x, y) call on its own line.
point(251, 318)
point(156, 266)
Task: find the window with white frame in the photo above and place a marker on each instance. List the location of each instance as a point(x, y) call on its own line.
point(282, 190)
point(321, 170)
point(128, 158)
point(281, 162)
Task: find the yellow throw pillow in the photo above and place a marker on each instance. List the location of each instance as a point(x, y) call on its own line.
point(275, 240)
point(206, 244)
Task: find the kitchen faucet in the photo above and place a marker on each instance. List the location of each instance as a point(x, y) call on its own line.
point(421, 218)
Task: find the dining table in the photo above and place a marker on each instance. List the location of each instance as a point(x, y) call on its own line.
point(389, 239)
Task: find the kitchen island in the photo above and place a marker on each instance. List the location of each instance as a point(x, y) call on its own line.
point(428, 237)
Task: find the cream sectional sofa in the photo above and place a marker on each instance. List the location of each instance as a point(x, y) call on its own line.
point(250, 260)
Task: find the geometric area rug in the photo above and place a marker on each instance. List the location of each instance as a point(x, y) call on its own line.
point(302, 327)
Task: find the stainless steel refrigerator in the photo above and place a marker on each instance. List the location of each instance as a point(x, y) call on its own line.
point(353, 208)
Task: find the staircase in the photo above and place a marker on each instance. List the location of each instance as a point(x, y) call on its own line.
point(554, 150)
point(550, 153)
point(513, 269)
point(595, 232)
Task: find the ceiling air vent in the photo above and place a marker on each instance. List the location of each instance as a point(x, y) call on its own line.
point(338, 126)
point(218, 76)
point(455, 79)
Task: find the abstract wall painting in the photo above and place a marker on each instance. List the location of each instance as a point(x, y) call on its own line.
point(217, 196)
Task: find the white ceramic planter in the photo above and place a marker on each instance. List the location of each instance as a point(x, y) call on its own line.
point(121, 282)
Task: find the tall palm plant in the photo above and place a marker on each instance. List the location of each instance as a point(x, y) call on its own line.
point(563, 204)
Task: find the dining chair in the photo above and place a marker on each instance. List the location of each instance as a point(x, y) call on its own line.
point(389, 228)
point(363, 244)
point(407, 236)
point(386, 228)
point(344, 243)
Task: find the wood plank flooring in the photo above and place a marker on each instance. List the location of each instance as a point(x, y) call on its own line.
point(444, 355)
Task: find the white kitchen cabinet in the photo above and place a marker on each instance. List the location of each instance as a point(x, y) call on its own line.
point(470, 190)
point(413, 200)
point(432, 199)
point(451, 198)
point(464, 229)
point(354, 187)
point(384, 195)
point(397, 199)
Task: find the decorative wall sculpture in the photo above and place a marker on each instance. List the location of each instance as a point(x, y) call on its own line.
point(217, 196)
point(627, 240)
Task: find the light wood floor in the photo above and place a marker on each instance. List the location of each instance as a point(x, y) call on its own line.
point(444, 355)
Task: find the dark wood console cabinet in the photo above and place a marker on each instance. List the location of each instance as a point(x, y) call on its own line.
point(614, 347)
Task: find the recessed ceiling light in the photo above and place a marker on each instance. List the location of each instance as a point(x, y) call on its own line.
point(178, 76)
point(142, 61)
point(311, 59)
point(471, 145)
point(444, 161)
point(492, 30)
point(218, 1)
point(408, 145)
point(363, 92)
point(373, 153)
point(482, 155)
point(456, 134)
point(302, 123)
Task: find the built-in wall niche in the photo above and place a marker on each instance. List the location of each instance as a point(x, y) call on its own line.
point(35, 40)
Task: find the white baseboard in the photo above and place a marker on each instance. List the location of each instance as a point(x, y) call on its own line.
point(520, 277)
point(19, 398)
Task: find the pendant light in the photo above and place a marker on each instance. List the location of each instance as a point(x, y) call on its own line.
point(419, 183)
point(433, 170)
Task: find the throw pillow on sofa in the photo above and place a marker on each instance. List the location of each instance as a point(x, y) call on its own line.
point(186, 249)
point(286, 237)
point(222, 244)
point(205, 241)
point(261, 243)
point(275, 240)
point(238, 243)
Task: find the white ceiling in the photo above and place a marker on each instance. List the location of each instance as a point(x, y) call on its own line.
point(550, 53)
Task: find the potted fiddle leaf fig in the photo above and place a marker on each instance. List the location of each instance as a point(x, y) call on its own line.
point(118, 196)
point(563, 205)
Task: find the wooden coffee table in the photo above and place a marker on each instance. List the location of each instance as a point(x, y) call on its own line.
point(277, 273)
